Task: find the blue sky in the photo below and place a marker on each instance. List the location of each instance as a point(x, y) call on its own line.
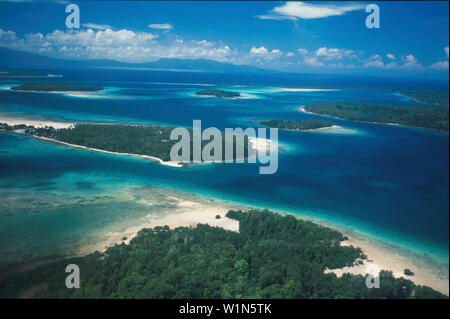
point(323, 37)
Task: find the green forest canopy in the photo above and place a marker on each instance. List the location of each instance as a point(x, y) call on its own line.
point(56, 86)
point(297, 125)
point(149, 140)
point(435, 118)
point(272, 256)
point(219, 93)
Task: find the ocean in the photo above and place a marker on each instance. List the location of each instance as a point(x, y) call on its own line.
point(389, 182)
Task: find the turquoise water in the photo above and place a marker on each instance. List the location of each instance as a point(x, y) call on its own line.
point(387, 181)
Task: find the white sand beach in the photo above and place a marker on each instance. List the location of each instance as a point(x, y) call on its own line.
point(187, 213)
point(43, 123)
point(385, 257)
point(17, 120)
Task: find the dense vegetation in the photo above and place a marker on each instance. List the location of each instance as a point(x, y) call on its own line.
point(219, 93)
point(298, 125)
point(56, 86)
point(134, 139)
point(272, 256)
point(435, 118)
point(430, 97)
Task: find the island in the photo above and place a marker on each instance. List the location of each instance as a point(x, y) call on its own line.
point(420, 116)
point(429, 97)
point(219, 93)
point(298, 125)
point(145, 141)
point(57, 87)
point(271, 256)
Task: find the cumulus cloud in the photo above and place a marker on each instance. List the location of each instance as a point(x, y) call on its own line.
point(96, 26)
point(161, 26)
point(120, 45)
point(313, 61)
point(391, 56)
point(441, 65)
point(303, 10)
point(264, 54)
point(302, 51)
point(333, 53)
point(375, 60)
point(102, 42)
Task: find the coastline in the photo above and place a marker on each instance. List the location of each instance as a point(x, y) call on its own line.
point(149, 157)
point(256, 144)
point(193, 209)
point(302, 109)
point(42, 123)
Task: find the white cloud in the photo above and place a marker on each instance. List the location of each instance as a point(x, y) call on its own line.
point(264, 54)
point(411, 62)
point(375, 60)
point(313, 62)
point(391, 56)
point(441, 65)
point(162, 26)
point(289, 54)
point(333, 53)
point(302, 51)
point(260, 51)
point(303, 10)
point(96, 26)
point(121, 45)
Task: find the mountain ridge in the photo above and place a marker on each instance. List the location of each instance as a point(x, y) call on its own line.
point(10, 58)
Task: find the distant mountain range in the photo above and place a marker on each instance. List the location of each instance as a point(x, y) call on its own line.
point(21, 59)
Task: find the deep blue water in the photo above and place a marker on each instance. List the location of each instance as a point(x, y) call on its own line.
point(392, 178)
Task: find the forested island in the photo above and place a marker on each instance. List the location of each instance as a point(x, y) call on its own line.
point(150, 140)
point(219, 93)
point(421, 116)
point(57, 87)
point(297, 125)
point(430, 97)
point(272, 256)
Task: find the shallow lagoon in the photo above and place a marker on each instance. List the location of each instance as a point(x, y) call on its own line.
point(387, 181)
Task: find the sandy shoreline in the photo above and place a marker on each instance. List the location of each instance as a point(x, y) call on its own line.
point(190, 212)
point(302, 109)
point(381, 256)
point(149, 157)
point(256, 144)
point(58, 125)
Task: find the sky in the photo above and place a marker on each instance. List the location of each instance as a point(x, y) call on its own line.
point(312, 37)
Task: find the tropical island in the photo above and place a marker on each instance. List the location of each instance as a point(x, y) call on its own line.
point(298, 125)
point(272, 256)
point(219, 93)
point(57, 87)
point(146, 141)
point(421, 116)
point(429, 97)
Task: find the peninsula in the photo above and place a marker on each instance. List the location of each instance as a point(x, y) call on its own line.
point(271, 256)
point(421, 116)
point(298, 125)
point(57, 87)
